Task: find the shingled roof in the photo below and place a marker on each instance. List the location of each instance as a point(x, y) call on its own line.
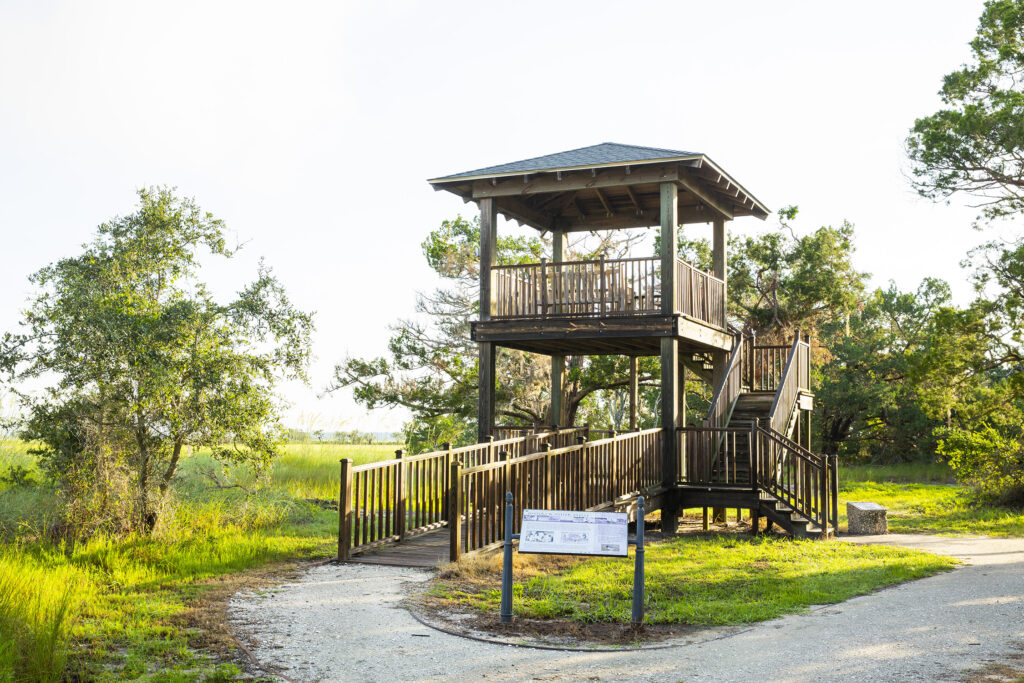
point(604, 154)
point(605, 186)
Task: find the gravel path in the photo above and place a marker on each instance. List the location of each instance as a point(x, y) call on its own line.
point(343, 623)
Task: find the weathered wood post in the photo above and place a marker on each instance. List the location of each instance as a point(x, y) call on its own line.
point(833, 461)
point(445, 474)
point(558, 240)
point(613, 467)
point(634, 393)
point(506, 471)
point(400, 496)
point(549, 477)
point(486, 371)
point(345, 510)
point(454, 512)
point(755, 477)
point(669, 353)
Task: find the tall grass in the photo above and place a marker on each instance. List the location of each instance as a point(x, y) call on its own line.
point(38, 606)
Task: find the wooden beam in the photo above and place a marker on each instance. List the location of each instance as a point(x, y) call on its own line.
point(604, 202)
point(632, 198)
point(693, 186)
point(576, 203)
point(644, 218)
point(519, 210)
point(577, 180)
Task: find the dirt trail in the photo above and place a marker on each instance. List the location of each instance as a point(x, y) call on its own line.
point(344, 623)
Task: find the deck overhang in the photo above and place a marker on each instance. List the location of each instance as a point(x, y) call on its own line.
point(626, 335)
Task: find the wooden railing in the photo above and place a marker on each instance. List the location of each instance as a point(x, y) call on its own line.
point(602, 288)
point(804, 481)
point(513, 431)
point(383, 502)
point(709, 455)
point(700, 295)
point(729, 388)
point(584, 476)
point(795, 378)
point(765, 365)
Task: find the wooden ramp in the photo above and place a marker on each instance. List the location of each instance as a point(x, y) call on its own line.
point(426, 550)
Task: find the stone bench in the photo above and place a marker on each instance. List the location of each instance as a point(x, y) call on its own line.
point(866, 519)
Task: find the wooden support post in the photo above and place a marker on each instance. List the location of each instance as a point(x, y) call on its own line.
point(721, 361)
point(707, 526)
point(634, 394)
point(613, 467)
point(345, 511)
point(446, 472)
point(549, 477)
point(485, 412)
point(557, 370)
point(669, 354)
point(719, 256)
point(400, 497)
point(454, 513)
point(488, 239)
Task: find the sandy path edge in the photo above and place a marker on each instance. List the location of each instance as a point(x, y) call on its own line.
point(346, 623)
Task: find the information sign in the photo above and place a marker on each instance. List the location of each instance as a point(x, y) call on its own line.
point(567, 532)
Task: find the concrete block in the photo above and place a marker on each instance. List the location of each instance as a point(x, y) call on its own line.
point(866, 519)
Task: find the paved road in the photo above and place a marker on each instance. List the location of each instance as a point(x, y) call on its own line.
point(343, 623)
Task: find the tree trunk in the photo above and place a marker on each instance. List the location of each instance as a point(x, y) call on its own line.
point(172, 466)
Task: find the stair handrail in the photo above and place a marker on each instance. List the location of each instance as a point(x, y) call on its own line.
point(797, 369)
point(794, 475)
point(728, 389)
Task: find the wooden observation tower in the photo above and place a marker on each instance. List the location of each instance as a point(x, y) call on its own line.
point(751, 451)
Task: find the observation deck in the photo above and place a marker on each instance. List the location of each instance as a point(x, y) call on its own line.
point(604, 306)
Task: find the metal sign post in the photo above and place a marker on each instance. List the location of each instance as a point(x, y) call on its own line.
point(638, 565)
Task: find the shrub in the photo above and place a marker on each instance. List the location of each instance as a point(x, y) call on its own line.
point(990, 461)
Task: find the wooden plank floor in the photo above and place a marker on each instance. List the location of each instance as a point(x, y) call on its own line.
point(426, 550)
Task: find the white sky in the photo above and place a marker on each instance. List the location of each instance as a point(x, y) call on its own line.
point(310, 128)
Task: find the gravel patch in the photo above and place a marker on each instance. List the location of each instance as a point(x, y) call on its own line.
point(346, 623)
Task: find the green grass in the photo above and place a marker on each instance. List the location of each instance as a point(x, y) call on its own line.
point(704, 580)
point(113, 607)
point(932, 509)
point(920, 499)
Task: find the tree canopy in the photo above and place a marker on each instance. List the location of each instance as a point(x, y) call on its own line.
point(141, 360)
point(975, 144)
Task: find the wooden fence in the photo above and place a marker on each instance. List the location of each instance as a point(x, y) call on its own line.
point(385, 501)
point(584, 476)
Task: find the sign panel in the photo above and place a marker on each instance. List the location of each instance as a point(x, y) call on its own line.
point(567, 532)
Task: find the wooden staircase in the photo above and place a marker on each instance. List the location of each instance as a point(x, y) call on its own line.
point(746, 442)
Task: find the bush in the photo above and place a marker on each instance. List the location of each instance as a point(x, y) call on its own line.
point(989, 461)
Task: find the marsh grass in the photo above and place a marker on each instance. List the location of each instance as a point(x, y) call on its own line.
point(111, 608)
point(700, 580)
